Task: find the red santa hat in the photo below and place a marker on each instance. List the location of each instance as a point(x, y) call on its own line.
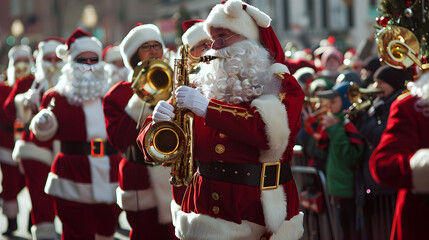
point(47, 45)
point(250, 22)
point(111, 53)
point(193, 32)
point(140, 34)
point(78, 42)
point(238, 17)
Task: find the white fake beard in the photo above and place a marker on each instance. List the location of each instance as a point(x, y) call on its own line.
point(48, 74)
point(420, 88)
point(82, 82)
point(239, 74)
point(116, 74)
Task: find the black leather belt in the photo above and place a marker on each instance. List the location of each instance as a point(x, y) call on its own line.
point(97, 147)
point(274, 174)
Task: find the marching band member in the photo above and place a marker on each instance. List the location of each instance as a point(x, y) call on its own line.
point(84, 174)
point(242, 128)
point(144, 192)
point(19, 78)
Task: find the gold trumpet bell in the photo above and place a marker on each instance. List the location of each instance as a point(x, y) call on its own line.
point(398, 47)
point(152, 81)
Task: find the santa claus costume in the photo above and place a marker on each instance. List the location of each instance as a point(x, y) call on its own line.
point(144, 191)
point(35, 160)
point(245, 121)
point(19, 79)
point(401, 160)
point(83, 176)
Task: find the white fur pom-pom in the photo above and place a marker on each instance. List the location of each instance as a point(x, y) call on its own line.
point(61, 51)
point(233, 8)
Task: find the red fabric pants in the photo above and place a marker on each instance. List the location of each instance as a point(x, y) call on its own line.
point(144, 225)
point(36, 174)
point(13, 181)
point(84, 221)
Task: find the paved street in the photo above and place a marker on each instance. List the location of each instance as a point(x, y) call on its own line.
point(23, 217)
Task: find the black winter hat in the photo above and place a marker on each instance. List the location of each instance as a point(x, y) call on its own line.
point(372, 63)
point(394, 77)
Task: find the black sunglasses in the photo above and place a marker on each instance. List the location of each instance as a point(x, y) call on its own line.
point(85, 60)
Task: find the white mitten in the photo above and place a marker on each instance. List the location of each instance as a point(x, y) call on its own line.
point(44, 120)
point(32, 99)
point(163, 112)
point(192, 99)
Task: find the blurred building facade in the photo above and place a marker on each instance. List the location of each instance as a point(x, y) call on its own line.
point(303, 22)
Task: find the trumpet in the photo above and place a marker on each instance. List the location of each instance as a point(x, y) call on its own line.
point(172, 142)
point(360, 99)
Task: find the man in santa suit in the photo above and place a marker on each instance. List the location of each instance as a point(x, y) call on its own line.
point(401, 160)
point(36, 160)
point(114, 65)
point(144, 192)
point(246, 118)
point(19, 80)
point(83, 176)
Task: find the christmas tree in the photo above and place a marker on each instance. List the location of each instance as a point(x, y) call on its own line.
point(410, 14)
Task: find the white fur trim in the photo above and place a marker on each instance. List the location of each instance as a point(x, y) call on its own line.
point(29, 150)
point(135, 200)
point(44, 135)
point(232, 16)
point(419, 164)
point(278, 68)
point(45, 47)
point(274, 205)
point(159, 178)
point(23, 114)
point(134, 108)
point(274, 115)
point(195, 34)
point(175, 208)
point(290, 230)
point(204, 227)
point(114, 53)
point(100, 179)
point(74, 191)
point(44, 230)
point(6, 156)
point(101, 237)
point(10, 208)
point(94, 119)
point(86, 44)
point(135, 38)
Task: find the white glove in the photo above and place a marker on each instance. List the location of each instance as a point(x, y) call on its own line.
point(32, 99)
point(163, 112)
point(44, 120)
point(192, 99)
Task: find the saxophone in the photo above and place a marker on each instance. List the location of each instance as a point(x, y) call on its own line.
point(172, 142)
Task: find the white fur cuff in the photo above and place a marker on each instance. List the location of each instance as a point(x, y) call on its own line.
point(419, 164)
point(134, 108)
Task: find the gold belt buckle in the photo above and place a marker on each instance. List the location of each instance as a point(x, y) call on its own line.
point(262, 183)
point(18, 128)
point(94, 143)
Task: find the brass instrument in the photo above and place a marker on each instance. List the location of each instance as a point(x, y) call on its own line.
point(172, 142)
point(360, 99)
point(152, 81)
point(399, 47)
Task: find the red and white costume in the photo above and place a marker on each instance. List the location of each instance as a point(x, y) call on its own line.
point(243, 134)
point(82, 180)
point(401, 161)
point(144, 191)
